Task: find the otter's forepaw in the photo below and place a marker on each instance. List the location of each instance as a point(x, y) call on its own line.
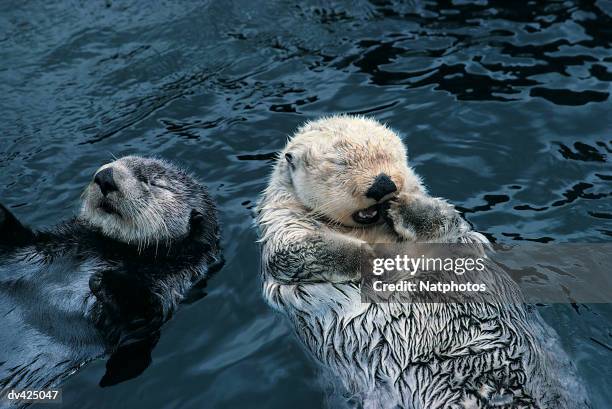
point(2, 215)
point(420, 217)
point(12, 232)
point(98, 287)
point(5, 218)
point(397, 220)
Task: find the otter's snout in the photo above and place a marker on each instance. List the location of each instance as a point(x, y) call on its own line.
point(382, 186)
point(104, 179)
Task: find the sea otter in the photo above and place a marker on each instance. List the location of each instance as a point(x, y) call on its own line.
point(104, 281)
point(343, 183)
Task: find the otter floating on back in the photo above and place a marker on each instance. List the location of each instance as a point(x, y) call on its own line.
point(341, 183)
point(146, 232)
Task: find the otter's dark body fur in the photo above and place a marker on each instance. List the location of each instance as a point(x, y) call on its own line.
point(72, 294)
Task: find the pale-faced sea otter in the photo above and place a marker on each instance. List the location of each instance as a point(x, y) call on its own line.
point(343, 183)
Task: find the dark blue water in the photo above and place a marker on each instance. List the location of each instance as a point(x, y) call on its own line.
point(505, 108)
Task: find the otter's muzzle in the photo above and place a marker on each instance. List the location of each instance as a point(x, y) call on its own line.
point(382, 186)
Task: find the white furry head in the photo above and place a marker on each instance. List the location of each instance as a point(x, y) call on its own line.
point(144, 201)
point(344, 167)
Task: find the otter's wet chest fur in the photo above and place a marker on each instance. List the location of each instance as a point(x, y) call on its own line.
point(421, 355)
point(45, 306)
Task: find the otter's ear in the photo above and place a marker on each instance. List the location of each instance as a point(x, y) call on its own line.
point(290, 160)
point(196, 223)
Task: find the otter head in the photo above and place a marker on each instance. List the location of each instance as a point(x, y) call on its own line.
point(346, 168)
point(146, 201)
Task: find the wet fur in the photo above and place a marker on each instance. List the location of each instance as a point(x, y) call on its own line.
point(395, 355)
point(80, 291)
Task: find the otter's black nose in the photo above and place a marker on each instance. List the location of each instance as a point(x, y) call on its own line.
point(104, 179)
point(382, 186)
